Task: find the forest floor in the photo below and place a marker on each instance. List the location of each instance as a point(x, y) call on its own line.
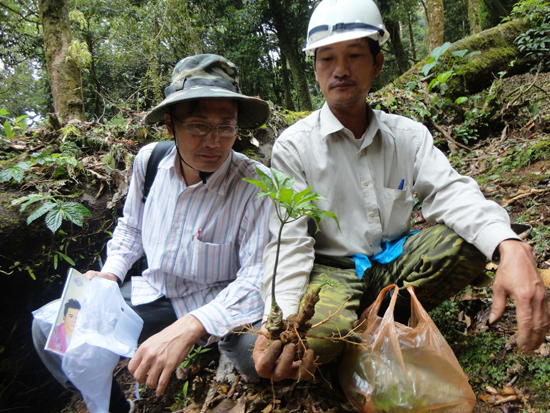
point(512, 167)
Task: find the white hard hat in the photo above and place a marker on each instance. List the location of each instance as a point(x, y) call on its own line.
point(336, 21)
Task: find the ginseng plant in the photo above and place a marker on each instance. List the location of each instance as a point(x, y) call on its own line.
point(290, 206)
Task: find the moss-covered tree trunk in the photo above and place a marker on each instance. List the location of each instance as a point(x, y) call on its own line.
point(497, 49)
point(474, 7)
point(64, 74)
point(436, 20)
point(288, 48)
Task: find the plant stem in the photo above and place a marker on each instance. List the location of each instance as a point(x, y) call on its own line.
point(273, 301)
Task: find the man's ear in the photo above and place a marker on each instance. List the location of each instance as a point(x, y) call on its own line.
point(314, 68)
point(378, 63)
point(169, 126)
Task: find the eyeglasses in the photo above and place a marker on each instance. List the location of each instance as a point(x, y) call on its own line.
point(202, 129)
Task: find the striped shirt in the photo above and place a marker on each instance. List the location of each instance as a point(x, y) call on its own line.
point(204, 243)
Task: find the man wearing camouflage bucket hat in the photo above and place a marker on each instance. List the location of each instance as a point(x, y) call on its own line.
point(201, 227)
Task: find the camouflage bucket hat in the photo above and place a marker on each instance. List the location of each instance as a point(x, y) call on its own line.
point(209, 76)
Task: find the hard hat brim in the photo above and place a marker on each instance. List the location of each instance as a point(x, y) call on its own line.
point(345, 36)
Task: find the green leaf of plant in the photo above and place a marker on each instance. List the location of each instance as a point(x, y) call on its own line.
point(54, 218)
point(41, 210)
point(433, 83)
point(7, 130)
point(83, 210)
point(55, 261)
point(461, 100)
point(278, 177)
point(4, 112)
point(285, 195)
point(438, 51)
point(460, 53)
point(66, 258)
point(333, 216)
point(443, 77)
point(299, 195)
point(259, 184)
point(427, 67)
point(267, 180)
point(74, 211)
point(29, 199)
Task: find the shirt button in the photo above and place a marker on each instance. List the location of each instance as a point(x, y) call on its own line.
point(365, 183)
point(372, 214)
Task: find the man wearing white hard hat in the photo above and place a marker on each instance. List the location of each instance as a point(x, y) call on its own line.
point(367, 164)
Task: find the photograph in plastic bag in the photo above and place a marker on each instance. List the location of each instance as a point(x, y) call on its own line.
point(71, 304)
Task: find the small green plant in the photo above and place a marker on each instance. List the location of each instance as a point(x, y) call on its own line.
point(15, 172)
point(55, 210)
point(15, 127)
point(290, 205)
point(535, 42)
point(434, 60)
point(194, 357)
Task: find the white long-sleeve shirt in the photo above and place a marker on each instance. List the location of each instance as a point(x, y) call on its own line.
point(214, 276)
point(360, 180)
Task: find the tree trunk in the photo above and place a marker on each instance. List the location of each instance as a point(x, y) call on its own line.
point(64, 74)
point(289, 104)
point(400, 55)
point(474, 7)
point(288, 48)
point(436, 20)
point(411, 38)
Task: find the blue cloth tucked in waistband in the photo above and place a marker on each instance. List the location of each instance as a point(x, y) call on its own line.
point(390, 251)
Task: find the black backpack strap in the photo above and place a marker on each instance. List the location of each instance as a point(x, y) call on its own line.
point(160, 150)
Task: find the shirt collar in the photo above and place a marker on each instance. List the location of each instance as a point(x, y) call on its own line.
point(216, 182)
point(330, 124)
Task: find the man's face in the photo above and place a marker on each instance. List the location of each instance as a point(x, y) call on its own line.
point(206, 153)
point(70, 317)
point(345, 71)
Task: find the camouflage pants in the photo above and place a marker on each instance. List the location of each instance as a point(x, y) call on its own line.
point(436, 262)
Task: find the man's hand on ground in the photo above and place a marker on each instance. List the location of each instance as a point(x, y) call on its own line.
point(158, 357)
point(517, 277)
point(106, 275)
point(277, 365)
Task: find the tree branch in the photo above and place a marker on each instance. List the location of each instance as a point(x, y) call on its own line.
point(449, 137)
point(18, 13)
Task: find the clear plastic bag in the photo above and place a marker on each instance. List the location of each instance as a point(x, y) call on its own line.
point(106, 328)
point(45, 316)
point(403, 369)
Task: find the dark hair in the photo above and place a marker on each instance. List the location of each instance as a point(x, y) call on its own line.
point(373, 46)
point(72, 303)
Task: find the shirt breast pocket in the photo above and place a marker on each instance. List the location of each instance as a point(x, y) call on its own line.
point(213, 263)
point(396, 210)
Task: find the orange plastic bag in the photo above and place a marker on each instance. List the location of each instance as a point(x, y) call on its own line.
point(403, 369)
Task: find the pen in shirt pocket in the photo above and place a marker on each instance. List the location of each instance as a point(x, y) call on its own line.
point(401, 185)
point(198, 235)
